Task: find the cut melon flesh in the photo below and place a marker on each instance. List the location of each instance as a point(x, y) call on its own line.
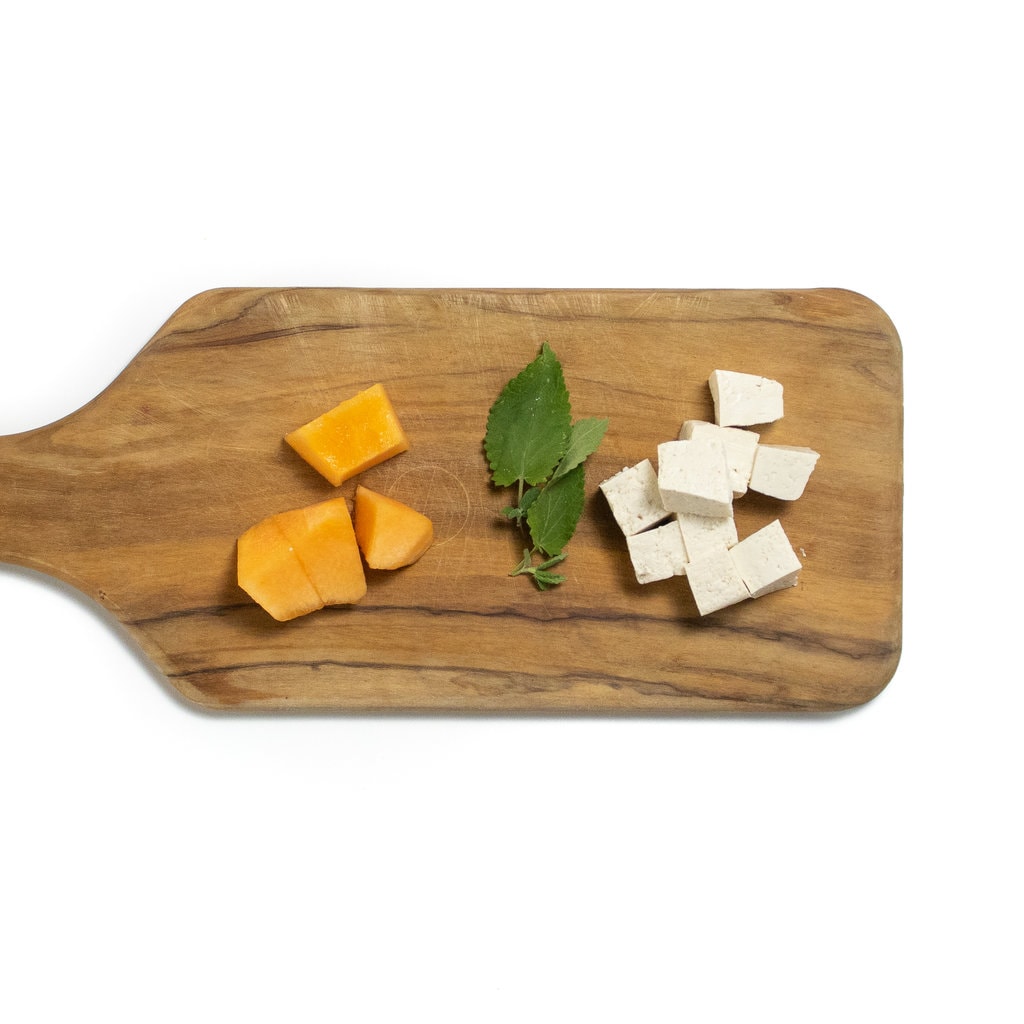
point(325, 542)
point(296, 562)
point(355, 435)
point(390, 534)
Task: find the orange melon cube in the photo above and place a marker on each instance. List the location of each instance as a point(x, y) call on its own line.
point(270, 572)
point(355, 435)
point(390, 534)
point(296, 562)
point(324, 540)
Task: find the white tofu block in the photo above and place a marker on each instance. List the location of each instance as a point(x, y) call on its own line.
point(657, 554)
point(700, 533)
point(740, 446)
point(782, 471)
point(693, 477)
point(634, 498)
point(715, 581)
point(766, 560)
point(742, 399)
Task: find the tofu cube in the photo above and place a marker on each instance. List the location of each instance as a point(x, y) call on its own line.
point(700, 533)
point(715, 580)
point(693, 477)
point(740, 446)
point(766, 560)
point(743, 399)
point(657, 554)
point(782, 471)
point(634, 498)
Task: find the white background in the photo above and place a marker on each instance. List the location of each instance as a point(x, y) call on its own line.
point(161, 864)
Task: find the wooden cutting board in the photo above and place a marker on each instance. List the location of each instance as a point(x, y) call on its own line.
point(137, 500)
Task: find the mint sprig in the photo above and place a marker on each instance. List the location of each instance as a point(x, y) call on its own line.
point(541, 574)
point(532, 444)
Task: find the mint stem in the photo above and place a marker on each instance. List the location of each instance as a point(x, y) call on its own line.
point(540, 574)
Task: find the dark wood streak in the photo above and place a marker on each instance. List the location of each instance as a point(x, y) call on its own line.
point(862, 650)
point(517, 682)
point(690, 321)
point(695, 321)
point(221, 322)
point(256, 337)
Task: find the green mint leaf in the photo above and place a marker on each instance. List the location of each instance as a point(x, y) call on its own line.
point(528, 499)
point(545, 580)
point(528, 426)
point(584, 439)
point(553, 561)
point(553, 517)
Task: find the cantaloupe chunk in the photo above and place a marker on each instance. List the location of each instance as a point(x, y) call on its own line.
point(295, 562)
point(270, 572)
point(355, 435)
point(390, 533)
point(325, 542)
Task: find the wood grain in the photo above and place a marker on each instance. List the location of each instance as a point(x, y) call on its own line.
point(137, 500)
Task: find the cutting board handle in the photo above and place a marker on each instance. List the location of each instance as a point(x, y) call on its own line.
point(40, 500)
